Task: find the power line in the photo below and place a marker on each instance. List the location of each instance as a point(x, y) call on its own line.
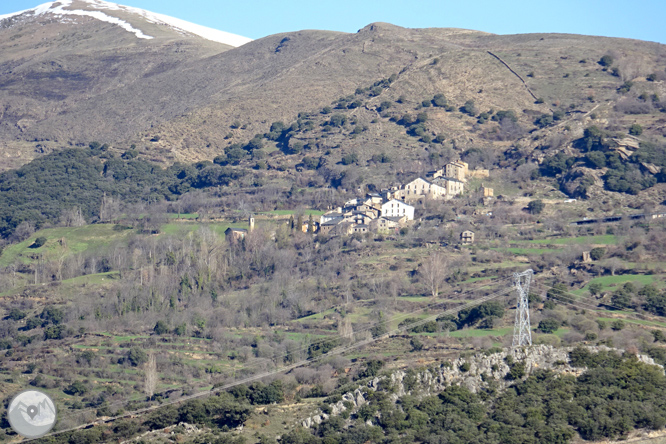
point(591, 305)
point(305, 348)
point(335, 351)
point(522, 335)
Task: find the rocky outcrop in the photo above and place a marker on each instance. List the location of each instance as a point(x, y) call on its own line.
point(474, 372)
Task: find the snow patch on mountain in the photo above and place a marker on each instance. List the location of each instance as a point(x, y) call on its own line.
point(58, 8)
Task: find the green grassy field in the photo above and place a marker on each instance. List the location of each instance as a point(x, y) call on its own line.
point(526, 251)
point(605, 239)
point(505, 264)
point(635, 321)
point(477, 333)
point(294, 212)
point(483, 278)
point(183, 216)
point(74, 240)
point(612, 281)
point(183, 228)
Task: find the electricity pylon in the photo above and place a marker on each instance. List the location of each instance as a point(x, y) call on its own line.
point(521, 329)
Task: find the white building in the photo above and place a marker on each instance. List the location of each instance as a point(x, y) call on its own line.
point(452, 187)
point(419, 188)
point(396, 208)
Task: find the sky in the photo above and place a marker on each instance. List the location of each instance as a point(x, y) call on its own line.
point(642, 19)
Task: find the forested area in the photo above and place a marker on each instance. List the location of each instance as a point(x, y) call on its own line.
point(622, 175)
point(42, 190)
point(612, 397)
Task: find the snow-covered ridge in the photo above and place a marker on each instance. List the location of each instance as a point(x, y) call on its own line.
point(58, 8)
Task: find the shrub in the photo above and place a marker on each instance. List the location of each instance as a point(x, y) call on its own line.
point(381, 158)
point(505, 114)
point(535, 206)
point(355, 104)
point(557, 164)
point(267, 394)
point(595, 159)
point(52, 315)
point(621, 299)
point(38, 242)
point(469, 108)
point(591, 336)
point(595, 287)
point(617, 325)
point(516, 371)
point(137, 356)
point(371, 370)
point(606, 60)
point(295, 148)
point(76, 388)
point(634, 130)
point(625, 87)
point(337, 120)
point(310, 163)
point(544, 120)
point(180, 330)
point(16, 315)
point(655, 303)
point(548, 325)
point(161, 328)
point(596, 254)
point(659, 336)
point(350, 158)
point(439, 100)
point(54, 332)
point(416, 344)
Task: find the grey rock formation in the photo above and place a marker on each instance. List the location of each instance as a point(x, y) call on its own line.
point(481, 369)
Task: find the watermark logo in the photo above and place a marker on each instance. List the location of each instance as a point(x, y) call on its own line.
point(32, 414)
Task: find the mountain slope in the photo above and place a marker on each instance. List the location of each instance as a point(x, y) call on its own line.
point(62, 56)
point(179, 97)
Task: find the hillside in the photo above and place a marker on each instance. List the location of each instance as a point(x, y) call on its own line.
point(200, 239)
point(58, 64)
point(81, 88)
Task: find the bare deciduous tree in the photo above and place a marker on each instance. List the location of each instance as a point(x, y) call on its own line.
point(433, 271)
point(109, 209)
point(150, 376)
point(72, 218)
point(345, 329)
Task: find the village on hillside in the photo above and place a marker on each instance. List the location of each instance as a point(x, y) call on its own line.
point(391, 208)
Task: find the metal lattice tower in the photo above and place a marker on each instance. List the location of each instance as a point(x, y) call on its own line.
point(521, 329)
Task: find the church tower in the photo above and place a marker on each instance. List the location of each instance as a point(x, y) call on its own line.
point(251, 222)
